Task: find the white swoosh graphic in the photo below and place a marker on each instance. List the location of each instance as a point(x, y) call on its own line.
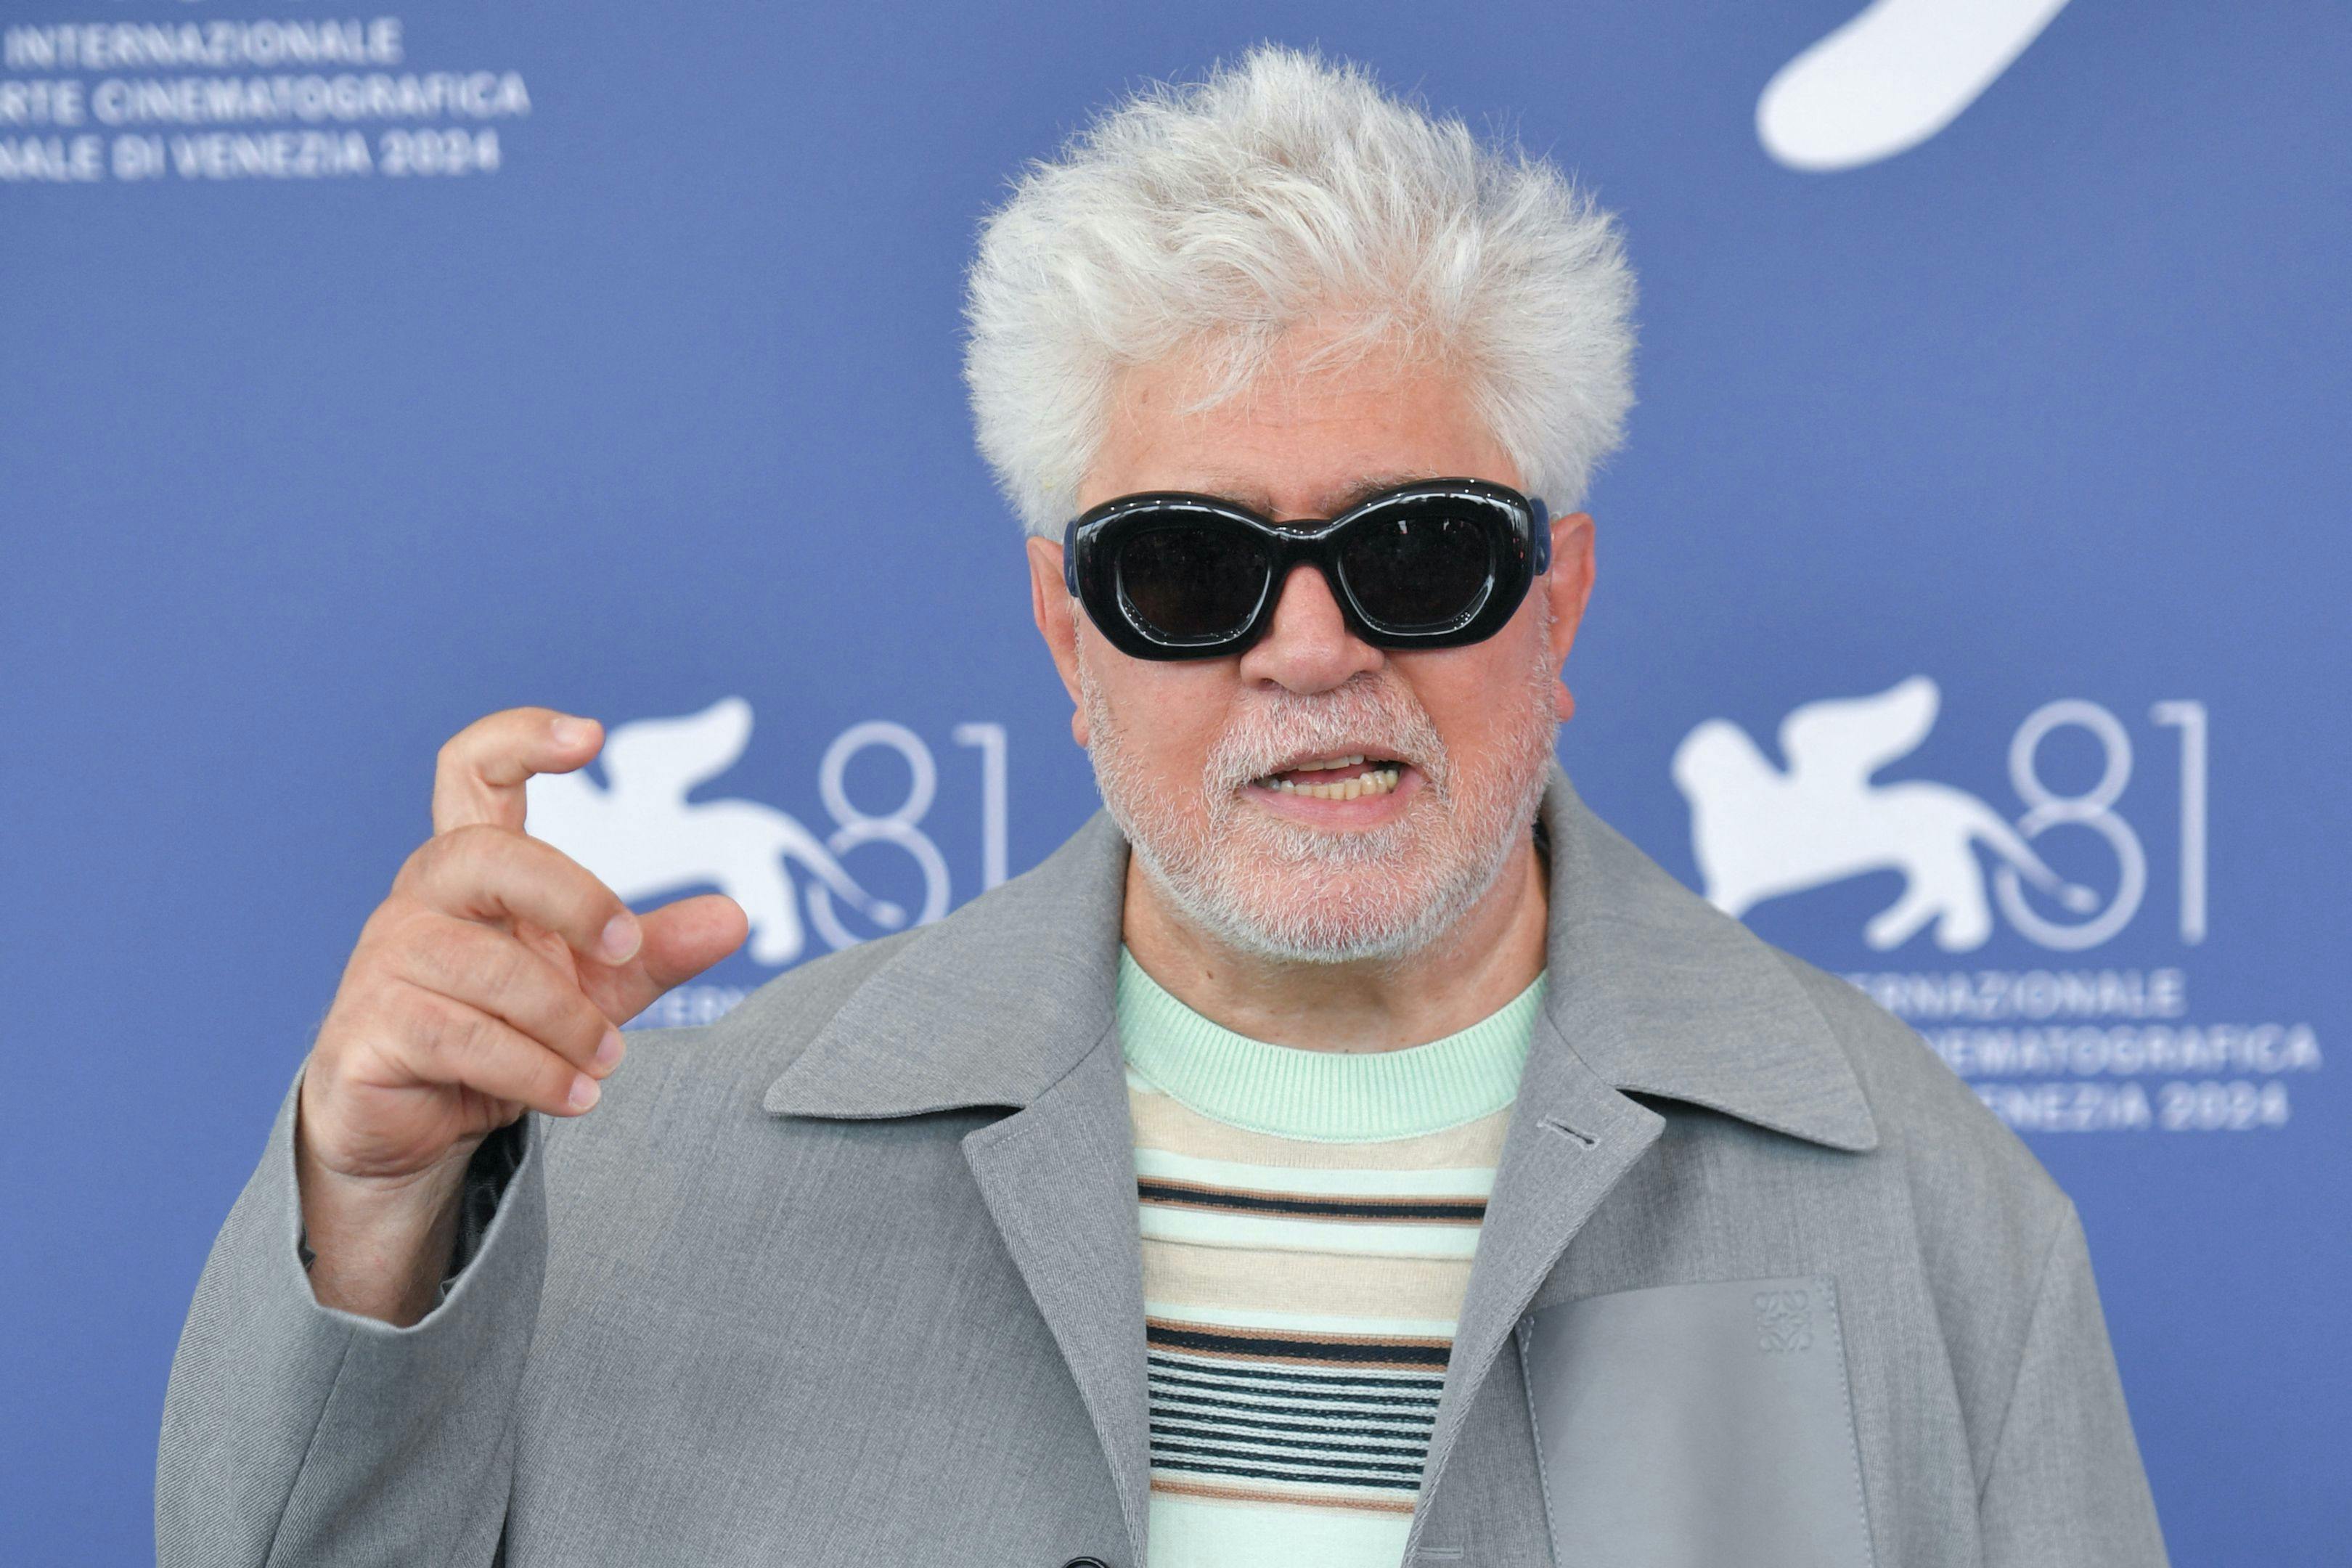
point(1891, 77)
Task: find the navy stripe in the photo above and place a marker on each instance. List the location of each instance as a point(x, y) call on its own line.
point(1379, 1423)
point(1393, 1483)
point(1314, 1350)
point(1369, 1409)
point(1242, 1467)
point(1308, 1454)
point(1243, 1405)
point(1334, 1472)
point(1170, 1415)
point(1407, 1385)
point(1314, 1396)
point(1213, 1430)
point(1448, 1211)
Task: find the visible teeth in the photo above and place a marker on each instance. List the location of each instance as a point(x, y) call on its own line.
point(1379, 780)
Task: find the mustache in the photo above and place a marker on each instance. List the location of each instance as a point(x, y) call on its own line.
point(1366, 716)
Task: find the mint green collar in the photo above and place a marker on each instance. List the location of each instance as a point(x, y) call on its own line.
point(1325, 1096)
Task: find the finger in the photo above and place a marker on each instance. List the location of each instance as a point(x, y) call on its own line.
point(486, 873)
point(682, 939)
point(448, 1042)
point(480, 772)
point(495, 973)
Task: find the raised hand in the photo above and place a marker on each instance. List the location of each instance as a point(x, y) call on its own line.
point(490, 981)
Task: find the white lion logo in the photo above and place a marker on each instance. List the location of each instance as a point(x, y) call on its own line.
point(1758, 832)
point(641, 836)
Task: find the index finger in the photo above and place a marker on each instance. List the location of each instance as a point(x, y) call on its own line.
point(479, 775)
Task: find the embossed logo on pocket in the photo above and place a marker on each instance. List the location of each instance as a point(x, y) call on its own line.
point(1698, 1426)
point(1784, 1321)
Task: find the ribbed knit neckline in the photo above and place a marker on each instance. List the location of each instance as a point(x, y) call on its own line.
point(1323, 1096)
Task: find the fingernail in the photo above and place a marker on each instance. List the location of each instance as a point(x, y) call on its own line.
point(570, 732)
point(619, 942)
point(585, 1092)
point(608, 1054)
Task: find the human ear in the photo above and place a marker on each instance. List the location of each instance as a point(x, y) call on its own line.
point(1567, 588)
point(1051, 606)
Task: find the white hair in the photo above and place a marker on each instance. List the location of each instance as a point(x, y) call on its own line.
point(1216, 215)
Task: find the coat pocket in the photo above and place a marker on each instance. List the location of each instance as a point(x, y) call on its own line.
point(1695, 1425)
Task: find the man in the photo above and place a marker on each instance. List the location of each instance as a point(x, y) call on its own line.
point(1345, 1150)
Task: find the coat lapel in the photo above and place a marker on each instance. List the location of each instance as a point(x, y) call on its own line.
point(1007, 1002)
point(1570, 1138)
point(989, 1006)
point(1059, 1178)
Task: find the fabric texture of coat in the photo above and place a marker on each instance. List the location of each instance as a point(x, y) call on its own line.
point(852, 1276)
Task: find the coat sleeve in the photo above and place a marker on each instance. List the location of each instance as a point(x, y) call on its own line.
point(295, 1432)
point(2065, 1488)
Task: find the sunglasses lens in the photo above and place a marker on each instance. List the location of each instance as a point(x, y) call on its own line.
point(1191, 584)
point(1426, 569)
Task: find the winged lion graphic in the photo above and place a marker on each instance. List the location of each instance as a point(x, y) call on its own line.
point(641, 836)
point(1760, 831)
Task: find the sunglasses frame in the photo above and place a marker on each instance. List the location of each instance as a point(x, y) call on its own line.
point(1519, 550)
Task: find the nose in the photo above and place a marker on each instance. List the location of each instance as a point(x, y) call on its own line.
point(1309, 648)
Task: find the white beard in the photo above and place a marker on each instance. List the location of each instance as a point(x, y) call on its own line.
point(1272, 888)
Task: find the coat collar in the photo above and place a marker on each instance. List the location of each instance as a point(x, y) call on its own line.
point(1657, 992)
point(990, 1006)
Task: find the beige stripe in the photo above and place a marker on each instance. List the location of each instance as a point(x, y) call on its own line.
point(1163, 1122)
point(1337, 1284)
point(1296, 1499)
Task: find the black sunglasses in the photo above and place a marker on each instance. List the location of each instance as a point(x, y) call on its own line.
point(1435, 563)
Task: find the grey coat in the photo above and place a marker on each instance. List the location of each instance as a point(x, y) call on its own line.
point(852, 1276)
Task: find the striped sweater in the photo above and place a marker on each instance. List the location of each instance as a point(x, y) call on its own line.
point(1308, 1219)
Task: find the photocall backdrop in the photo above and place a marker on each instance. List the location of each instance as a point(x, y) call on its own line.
point(1969, 615)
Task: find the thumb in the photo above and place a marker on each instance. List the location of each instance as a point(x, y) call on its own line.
point(681, 940)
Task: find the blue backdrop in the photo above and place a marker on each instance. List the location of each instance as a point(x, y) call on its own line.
point(363, 373)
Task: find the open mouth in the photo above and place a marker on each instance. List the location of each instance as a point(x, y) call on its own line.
point(1336, 778)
